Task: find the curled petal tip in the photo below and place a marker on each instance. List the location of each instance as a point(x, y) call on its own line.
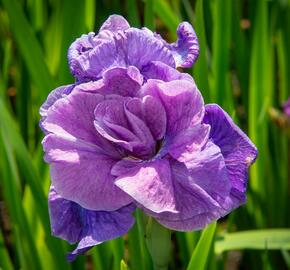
point(186, 48)
point(115, 23)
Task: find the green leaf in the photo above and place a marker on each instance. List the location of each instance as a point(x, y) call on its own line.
point(4, 256)
point(132, 13)
point(9, 127)
point(11, 184)
point(158, 239)
point(29, 47)
point(12, 137)
point(136, 259)
point(220, 54)
point(166, 14)
point(260, 93)
point(149, 16)
point(71, 29)
point(90, 14)
point(123, 265)
point(256, 239)
point(117, 248)
point(201, 253)
point(201, 74)
point(286, 257)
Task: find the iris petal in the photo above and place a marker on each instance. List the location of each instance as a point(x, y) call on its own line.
point(73, 223)
point(238, 151)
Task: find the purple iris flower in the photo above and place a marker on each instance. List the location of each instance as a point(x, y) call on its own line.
point(286, 107)
point(133, 131)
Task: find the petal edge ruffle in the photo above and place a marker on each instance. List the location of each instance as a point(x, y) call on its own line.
point(73, 223)
point(238, 150)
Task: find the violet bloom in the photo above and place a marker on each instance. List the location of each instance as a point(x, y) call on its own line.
point(133, 133)
point(286, 107)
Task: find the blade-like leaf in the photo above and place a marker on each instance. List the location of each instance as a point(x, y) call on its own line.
point(256, 239)
point(200, 255)
point(149, 16)
point(29, 47)
point(123, 265)
point(166, 14)
point(4, 256)
point(9, 128)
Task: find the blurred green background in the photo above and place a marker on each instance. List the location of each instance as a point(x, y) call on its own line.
point(244, 65)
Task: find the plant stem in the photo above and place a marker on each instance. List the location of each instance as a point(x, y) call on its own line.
point(158, 240)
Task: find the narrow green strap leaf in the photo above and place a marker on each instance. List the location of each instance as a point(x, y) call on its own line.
point(201, 74)
point(5, 261)
point(123, 265)
point(90, 14)
point(15, 206)
point(149, 16)
point(29, 47)
point(9, 128)
point(286, 257)
point(141, 220)
point(220, 54)
point(159, 244)
point(260, 93)
point(132, 13)
point(117, 248)
point(136, 259)
point(256, 239)
point(166, 14)
point(71, 29)
point(200, 255)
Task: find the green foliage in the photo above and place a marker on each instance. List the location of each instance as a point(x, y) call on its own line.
point(201, 253)
point(256, 239)
point(244, 65)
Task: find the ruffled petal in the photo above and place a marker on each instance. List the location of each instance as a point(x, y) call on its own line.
point(78, 53)
point(186, 49)
point(181, 100)
point(142, 48)
point(112, 125)
point(72, 117)
point(116, 121)
point(155, 116)
point(65, 217)
point(56, 94)
point(117, 46)
point(75, 151)
point(73, 223)
point(115, 23)
point(139, 127)
point(186, 144)
point(149, 184)
point(123, 81)
point(151, 111)
point(201, 188)
point(90, 55)
point(197, 222)
point(82, 175)
point(160, 71)
point(238, 150)
point(116, 81)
